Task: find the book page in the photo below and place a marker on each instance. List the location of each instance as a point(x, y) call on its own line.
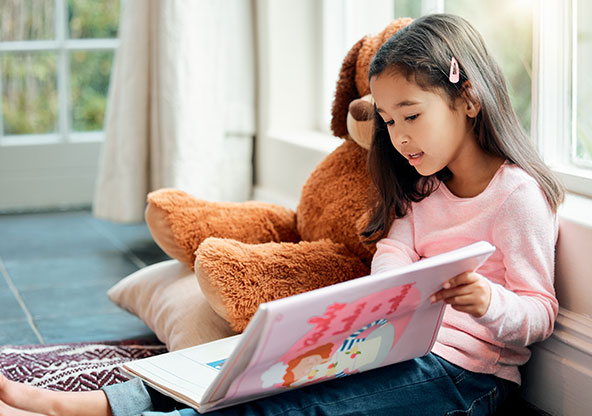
point(185, 374)
point(239, 360)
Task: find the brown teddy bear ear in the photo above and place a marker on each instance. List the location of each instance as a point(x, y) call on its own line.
point(369, 49)
point(346, 91)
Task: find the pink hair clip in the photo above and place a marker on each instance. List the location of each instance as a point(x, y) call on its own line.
point(454, 76)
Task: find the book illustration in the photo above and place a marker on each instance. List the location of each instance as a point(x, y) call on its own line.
point(342, 342)
point(217, 365)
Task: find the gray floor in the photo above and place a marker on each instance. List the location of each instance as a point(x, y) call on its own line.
point(55, 269)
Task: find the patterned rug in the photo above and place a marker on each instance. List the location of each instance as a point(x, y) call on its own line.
point(72, 367)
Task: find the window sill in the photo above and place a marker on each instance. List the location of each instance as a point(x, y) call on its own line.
point(313, 140)
point(578, 180)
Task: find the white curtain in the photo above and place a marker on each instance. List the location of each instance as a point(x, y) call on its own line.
point(181, 110)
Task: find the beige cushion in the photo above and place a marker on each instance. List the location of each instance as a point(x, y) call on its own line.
point(167, 297)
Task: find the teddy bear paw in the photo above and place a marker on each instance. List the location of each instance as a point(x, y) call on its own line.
point(236, 277)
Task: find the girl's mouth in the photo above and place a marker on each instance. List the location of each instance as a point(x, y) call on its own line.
point(415, 158)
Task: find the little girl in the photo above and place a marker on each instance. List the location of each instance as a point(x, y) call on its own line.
point(452, 166)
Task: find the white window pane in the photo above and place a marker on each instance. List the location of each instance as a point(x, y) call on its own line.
point(583, 145)
point(510, 42)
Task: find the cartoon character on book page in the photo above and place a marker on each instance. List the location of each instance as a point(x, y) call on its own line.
point(347, 338)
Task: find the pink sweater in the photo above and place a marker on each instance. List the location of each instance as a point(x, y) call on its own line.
point(513, 215)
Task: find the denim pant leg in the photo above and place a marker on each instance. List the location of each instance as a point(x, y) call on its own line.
point(424, 386)
point(134, 398)
point(128, 399)
point(427, 385)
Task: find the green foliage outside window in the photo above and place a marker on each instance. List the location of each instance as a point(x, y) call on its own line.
point(27, 20)
point(89, 85)
point(29, 80)
point(93, 18)
point(29, 93)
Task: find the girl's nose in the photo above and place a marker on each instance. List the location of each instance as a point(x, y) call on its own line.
point(402, 138)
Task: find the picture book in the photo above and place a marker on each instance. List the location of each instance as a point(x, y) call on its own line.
point(315, 336)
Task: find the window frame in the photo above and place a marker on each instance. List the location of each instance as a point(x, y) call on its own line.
point(554, 92)
point(62, 46)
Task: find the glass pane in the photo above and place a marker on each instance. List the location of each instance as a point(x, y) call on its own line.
point(29, 93)
point(90, 72)
point(407, 8)
point(27, 20)
point(510, 43)
point(584, 84)
point(93, 18)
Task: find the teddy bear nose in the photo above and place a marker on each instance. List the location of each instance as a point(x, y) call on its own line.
point(361, 110)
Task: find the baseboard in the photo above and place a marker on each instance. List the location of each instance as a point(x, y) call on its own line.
point(558, 377)
point(48, 176)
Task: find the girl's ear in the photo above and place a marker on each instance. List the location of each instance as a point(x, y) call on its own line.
point(472, 107)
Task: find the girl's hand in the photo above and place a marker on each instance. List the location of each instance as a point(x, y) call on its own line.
point(467, 292)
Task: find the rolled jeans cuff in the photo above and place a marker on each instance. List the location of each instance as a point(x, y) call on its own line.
point(128, 399)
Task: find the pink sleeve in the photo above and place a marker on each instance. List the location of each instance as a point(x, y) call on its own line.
point(523, 309)
point(397, 248)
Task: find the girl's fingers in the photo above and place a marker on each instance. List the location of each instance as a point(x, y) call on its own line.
point(461, 300)
point(444, 294)
point(467, 292)
point(469, 304)
point(461, 279)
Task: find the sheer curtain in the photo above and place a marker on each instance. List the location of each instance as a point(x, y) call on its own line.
point(181, 110)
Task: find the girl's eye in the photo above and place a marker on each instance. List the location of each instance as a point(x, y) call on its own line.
point(390, 123)
point(411, 118)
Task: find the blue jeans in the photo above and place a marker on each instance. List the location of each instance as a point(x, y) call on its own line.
point(427, 385)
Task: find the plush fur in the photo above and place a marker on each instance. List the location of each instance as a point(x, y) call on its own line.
point(248, 253)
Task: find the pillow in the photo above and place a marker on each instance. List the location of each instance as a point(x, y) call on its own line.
point(167, 297)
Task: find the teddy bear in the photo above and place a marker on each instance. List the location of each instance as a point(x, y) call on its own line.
point(252, 252)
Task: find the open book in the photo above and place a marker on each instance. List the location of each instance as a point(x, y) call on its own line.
point(315, 336)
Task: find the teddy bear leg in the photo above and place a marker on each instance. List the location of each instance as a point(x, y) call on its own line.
point(236, 277)
point(179, 222)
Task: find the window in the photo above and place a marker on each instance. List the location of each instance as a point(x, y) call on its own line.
point(562, 94)
point(55, 64)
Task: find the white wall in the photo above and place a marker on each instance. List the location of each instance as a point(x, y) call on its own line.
point(287, 86)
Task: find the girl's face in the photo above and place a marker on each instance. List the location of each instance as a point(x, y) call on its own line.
point(422, 125)
point(306, 365)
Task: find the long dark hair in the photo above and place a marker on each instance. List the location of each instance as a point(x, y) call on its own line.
point(422, 52)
